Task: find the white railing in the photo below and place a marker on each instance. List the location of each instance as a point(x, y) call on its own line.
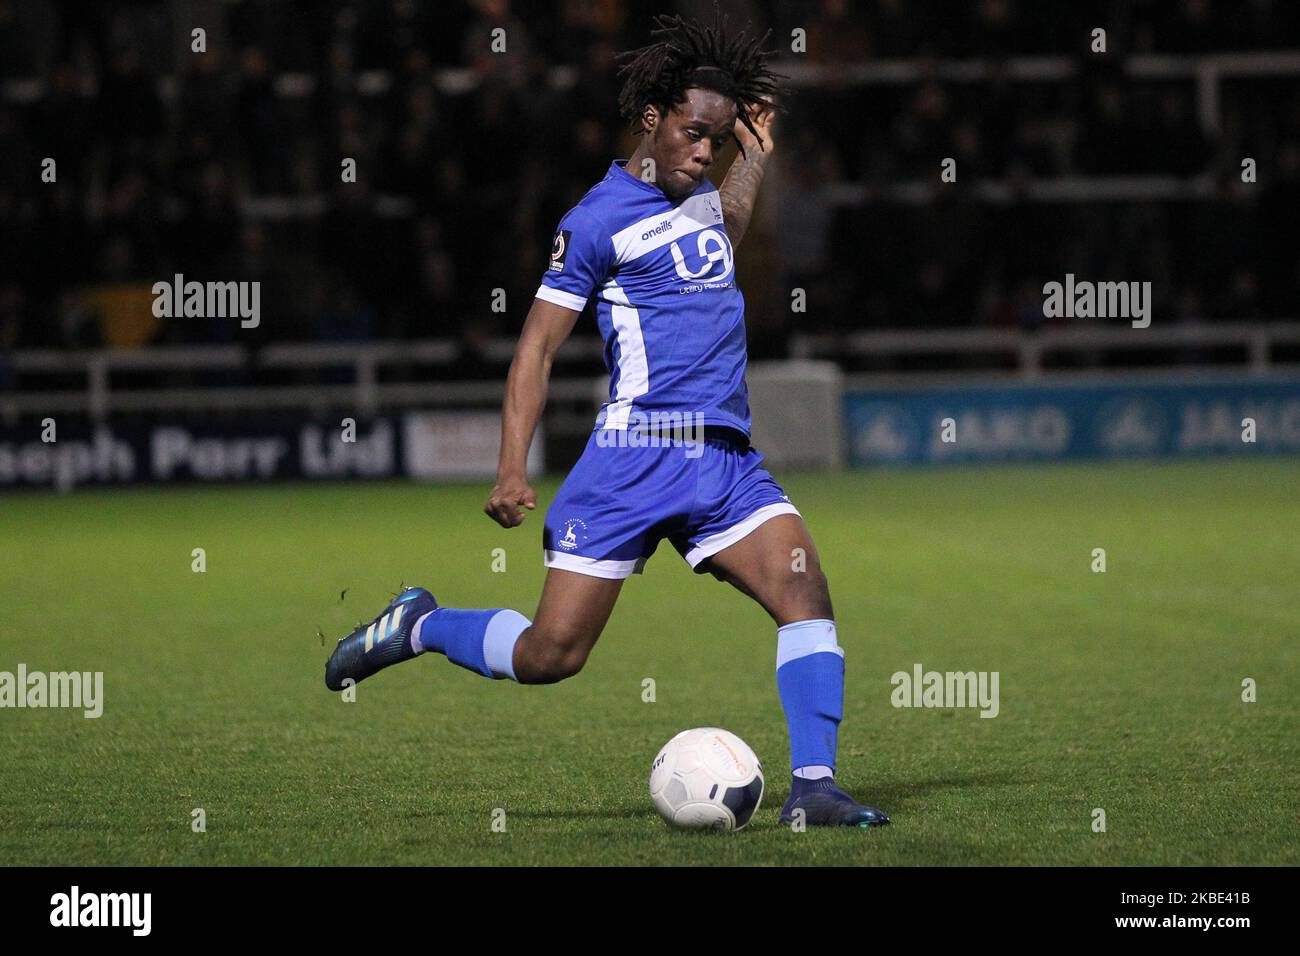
point(1010, 354)
point(1025, 352)
point(1055, 189)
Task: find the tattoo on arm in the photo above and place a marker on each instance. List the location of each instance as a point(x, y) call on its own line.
point(738, 192)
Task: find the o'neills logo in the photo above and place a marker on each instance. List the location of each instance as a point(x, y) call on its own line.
point(657, 230)
point(103, 909)
point(208, 300)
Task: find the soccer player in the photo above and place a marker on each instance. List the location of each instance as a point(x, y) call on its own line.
point(654, 244)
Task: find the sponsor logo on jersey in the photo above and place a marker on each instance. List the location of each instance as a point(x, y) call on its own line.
point(713, 248)
point(559, 249)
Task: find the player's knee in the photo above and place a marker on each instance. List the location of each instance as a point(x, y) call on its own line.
point(554, 655)
point(557, 664)
point(806, 596)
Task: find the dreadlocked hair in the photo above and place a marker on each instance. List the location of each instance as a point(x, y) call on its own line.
point(686, 54)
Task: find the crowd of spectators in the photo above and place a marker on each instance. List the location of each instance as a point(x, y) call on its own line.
point(225, 164)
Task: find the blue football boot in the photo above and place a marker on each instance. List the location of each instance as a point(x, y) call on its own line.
point(826, 805)
point(385, 640)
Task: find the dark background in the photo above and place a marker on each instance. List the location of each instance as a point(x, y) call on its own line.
point(225, 165)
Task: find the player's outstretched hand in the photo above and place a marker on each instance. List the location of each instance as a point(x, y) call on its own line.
point(503, 506)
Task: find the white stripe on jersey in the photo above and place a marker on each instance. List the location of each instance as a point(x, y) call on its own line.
point(698, 212)
point(561, 298)
point(633, 369)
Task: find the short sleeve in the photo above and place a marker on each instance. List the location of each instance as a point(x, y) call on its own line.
point(582, 255)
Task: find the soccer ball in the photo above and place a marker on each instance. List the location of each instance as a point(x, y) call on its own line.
point(706, 778)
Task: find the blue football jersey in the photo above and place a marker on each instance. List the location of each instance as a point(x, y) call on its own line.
point(664, 279)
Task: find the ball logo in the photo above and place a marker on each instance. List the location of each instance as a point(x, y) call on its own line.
point(712, 247)
point(725, 752)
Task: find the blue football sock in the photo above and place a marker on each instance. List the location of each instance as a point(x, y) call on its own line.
point(481, 641)
point(810, 678)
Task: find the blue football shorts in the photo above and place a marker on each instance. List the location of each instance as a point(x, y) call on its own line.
point(621, 500)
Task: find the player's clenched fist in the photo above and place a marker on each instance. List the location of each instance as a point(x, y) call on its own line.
point(503, 505)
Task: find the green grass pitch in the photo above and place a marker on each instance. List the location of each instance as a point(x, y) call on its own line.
point(1120, 691)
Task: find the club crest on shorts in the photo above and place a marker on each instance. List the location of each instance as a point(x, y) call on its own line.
point(559, 249)
point(572, 531)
